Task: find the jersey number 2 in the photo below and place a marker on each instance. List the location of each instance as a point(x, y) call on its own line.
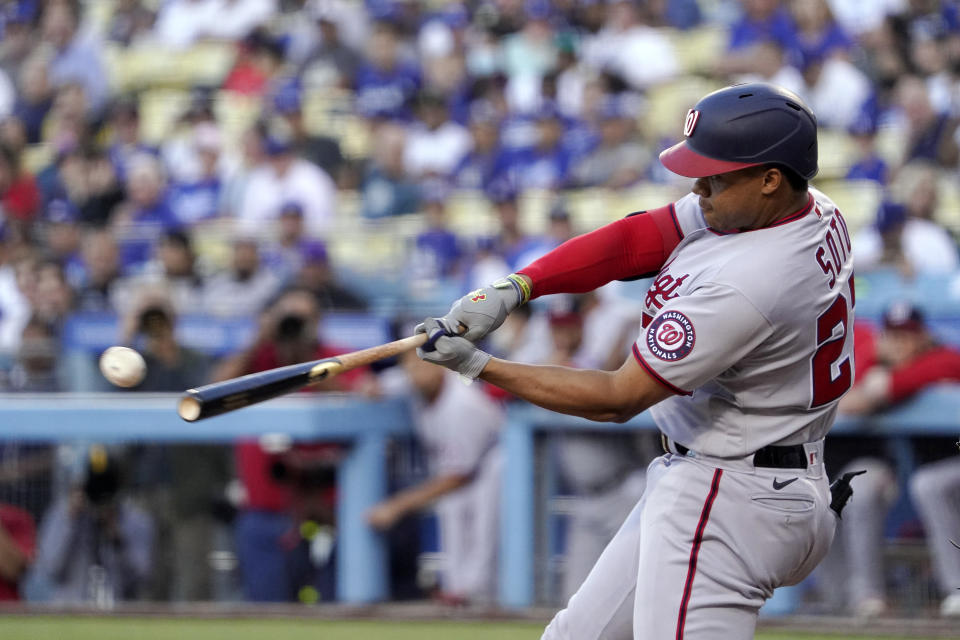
point(826, 387)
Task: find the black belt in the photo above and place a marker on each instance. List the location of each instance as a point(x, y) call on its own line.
point(776, 457)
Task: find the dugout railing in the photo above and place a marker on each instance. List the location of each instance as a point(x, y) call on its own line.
point(367, 426)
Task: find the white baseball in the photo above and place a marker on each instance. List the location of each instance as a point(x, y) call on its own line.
point(123, 366)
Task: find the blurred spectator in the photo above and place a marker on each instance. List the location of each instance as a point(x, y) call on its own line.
point(125, 143)
point(151, 324)
point(331, 62)
point(385, 84)
point(546, 164)
point(52, 298)
point(244, 288)
point(835, 89)
point(181, 483)
point(35, 370)
point(624, 40)
point(252, 155)
point(101, 286)
point(62, 237)
point(145, 215)
point(17, 542)
point(195, 200)
point(819, 35)
point(435, 144)
point(476, 168)
point(905, 235)
point(620, 159)
point(929, 134)
point(34, 97)
point(130, 23)
point(76, 59)
point(861, 18)
point(318, 276)
point(180, 23)
point(180, 146)
point(437, 251)
point(285, 177)
point(173, 272)
point(95, 546)
point(511, 242)
point(284, 256)
point(259, 62)
point(18, 37)
point(290, 485)
point(464, 479)
point(14, 306)
point(485, 264)
point(233, 19)
point(19, 195)
point(528, 54)
point(385, 188)
point(321, 150)
point(869, 165)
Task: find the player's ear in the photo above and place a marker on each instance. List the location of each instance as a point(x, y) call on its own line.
point(772, 179)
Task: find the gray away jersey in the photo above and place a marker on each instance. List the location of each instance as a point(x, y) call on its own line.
point(752, 330)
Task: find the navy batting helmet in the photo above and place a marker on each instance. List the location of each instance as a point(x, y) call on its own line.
point(744, 126)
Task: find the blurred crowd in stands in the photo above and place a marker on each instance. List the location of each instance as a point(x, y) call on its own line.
point(252, 158)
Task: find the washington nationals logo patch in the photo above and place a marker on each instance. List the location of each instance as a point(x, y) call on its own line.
point(671, 336)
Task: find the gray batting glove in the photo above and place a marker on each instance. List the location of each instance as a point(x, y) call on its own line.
point(483, 310)
point(453, 352)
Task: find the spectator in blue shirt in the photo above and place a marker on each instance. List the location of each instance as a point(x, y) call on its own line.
point(385, 189)
point(34, 98)
point(437, 251)
point(125, 142)
point(198, 200)
point(546, 164)
point(75, 60)
point(146, 214)
point(475, 170)
point(385, 85)
point(762, 21)
point(869, 165)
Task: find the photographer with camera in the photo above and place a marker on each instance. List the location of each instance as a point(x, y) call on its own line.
point(284, 529)
point(95, 546)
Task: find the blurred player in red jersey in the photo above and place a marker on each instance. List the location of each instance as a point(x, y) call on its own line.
point(17, 542)
point(288, 485)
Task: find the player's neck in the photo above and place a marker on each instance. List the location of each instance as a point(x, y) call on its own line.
point(781, 206)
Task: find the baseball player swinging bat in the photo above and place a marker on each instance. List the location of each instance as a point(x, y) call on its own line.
point(236, 393)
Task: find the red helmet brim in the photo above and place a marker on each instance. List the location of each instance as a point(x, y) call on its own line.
point(684, 161)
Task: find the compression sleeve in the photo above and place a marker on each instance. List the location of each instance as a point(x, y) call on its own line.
point(637, 245)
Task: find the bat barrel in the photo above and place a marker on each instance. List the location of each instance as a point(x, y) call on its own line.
point(222, 397)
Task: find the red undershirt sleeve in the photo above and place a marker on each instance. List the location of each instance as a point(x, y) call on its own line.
point(635, 246)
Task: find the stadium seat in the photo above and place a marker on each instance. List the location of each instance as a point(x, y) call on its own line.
point(857, 199)
point(159, 111)
point(697, 48)
point(837, 152)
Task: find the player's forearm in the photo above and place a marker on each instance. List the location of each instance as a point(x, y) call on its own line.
point(586, 393)
point(623, 249)
point(424, 494)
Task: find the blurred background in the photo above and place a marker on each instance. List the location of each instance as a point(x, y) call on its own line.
point(234, 185)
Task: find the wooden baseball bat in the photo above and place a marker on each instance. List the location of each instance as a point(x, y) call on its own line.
point(236, 393)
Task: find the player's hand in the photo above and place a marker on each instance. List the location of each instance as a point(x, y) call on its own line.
point(383, 516)
point(451, 351)
point(483, 310)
